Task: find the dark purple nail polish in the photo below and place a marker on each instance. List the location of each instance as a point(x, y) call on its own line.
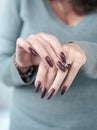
point(70, 42)
point(33, 52)
point(37, 86)
point(61, 66)
point(48, 60)
point(50, 94)
point(63, 90)
point(44, 90)
point(62, 55)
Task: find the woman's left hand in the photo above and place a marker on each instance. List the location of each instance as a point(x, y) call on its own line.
point(53, 78)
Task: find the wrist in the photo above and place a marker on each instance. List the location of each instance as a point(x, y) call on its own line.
point(21, 67)
point(25, 72)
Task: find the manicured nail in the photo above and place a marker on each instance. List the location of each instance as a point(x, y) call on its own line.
point(48, 60)
point(61, 66)
point(50, 94)
point(37, 86)
point(70, 42)
point(33, 52)
point(44, 90)
point(63, 90)
point(62, 55)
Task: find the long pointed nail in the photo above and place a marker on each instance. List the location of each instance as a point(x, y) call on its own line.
point(37, 86)
point(44, 90)
point(33, 52)
point(48, 60)
point(63, 90)
point(61, 66)
point(62, 55)
point(50, 94)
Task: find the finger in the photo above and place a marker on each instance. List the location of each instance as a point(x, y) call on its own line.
point(51, 52)
point(40, 50)
point(49, 80)
point(56, 45)
point(59, 80)
point(41, 76)
point(25, 45)
point(56, 84)
point(70, 77)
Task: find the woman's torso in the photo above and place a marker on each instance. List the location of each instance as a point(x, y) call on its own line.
point(77, 108)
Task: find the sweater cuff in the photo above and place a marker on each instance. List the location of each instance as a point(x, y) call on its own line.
point(18, 82)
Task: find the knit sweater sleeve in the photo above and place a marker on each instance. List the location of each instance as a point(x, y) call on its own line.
point(10, 29)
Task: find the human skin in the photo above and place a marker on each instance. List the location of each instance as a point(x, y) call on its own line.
point(49, 78)
point(46, 51)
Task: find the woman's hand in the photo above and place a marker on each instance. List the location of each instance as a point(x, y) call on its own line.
point(25, 55)
point(35, 48)
point(51, 79)
point(46, 51)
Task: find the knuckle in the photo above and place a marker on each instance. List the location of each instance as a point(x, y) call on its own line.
point(41, 33)
point(31, 36)
point(18, 39)
point(37, 35)
point(33, 41)
point(18, 42)
point(54, 37)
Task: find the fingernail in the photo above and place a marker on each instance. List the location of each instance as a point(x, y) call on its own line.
point(62, 55)
point(50, 94)
point(61, 66)
point(70, 42)
point(37, 86)
point(48, 60)
point(44, 90)
point(33, 52)
point(63, 90)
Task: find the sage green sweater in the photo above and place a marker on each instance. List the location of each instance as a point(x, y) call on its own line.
point(77, 109)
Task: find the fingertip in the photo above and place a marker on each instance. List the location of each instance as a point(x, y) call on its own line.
point(64, 89)
point(44, 90)
point(50, 93)
point(37, 86)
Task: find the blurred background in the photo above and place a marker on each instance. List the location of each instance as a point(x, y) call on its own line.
point(5, 103)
